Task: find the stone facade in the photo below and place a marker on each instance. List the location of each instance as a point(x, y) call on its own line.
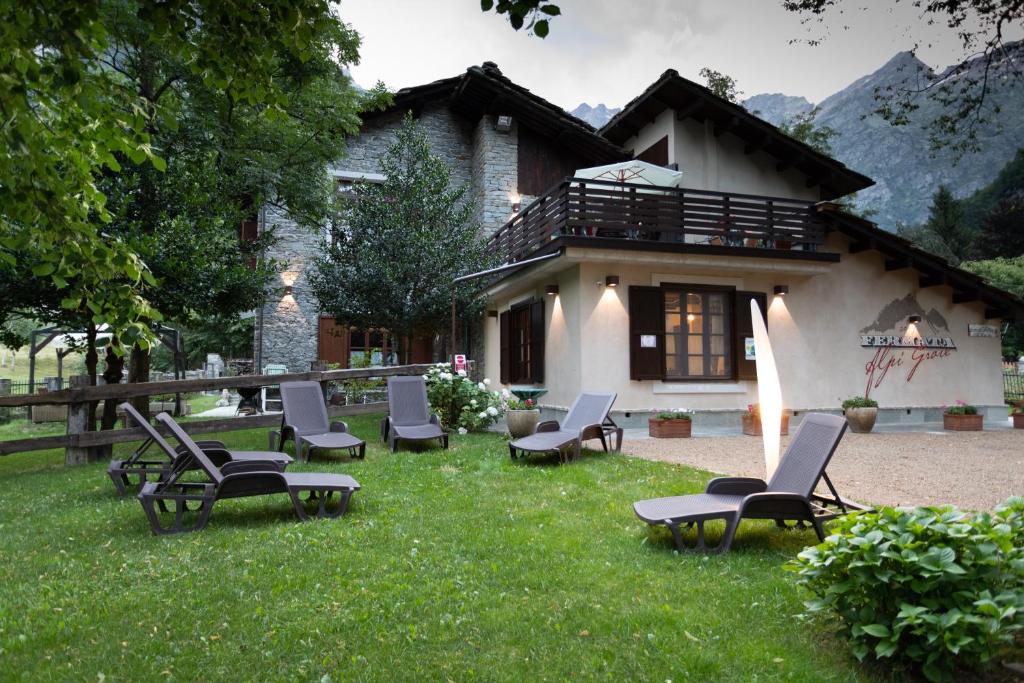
point(495, 172)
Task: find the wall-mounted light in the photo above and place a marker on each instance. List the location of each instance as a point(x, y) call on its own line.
point(914, 319)
point(551, 290)
point(611, 281)
point(503, 124)
point(288, 289)
point(516, 201)
point(781, 290)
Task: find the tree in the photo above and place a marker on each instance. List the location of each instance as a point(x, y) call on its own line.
point(721, 84)
point(399, 244)
point(533, 14)
point(963, 92)
point(1002, 231)
point(803, 128)
point(1007, 274)
point(944, 233)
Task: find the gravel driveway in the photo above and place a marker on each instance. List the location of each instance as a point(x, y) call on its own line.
point(973, 470)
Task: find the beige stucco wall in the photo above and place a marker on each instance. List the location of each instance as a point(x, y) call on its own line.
point(815, 332)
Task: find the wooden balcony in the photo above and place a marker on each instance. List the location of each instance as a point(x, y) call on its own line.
point(634, 216)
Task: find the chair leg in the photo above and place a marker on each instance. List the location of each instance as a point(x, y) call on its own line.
point(120, 482)
point(730, 533)
point(618, 440)
point(512, 451)
point(818, 528)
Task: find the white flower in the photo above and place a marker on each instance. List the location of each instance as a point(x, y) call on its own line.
point(446, 376)
point(426, 377)
point(492, 411)
point(486, 380)
point(462, 373)
point(505, 393)
point(472, 402)
point(483, 415)
point(481, 386)
point(463, 431)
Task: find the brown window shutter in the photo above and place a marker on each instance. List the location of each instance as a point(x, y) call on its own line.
point(646, 318)
point(537, 341)
point(505, 346)
point(747, 369)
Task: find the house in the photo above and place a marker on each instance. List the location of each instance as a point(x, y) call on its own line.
point(646, 292)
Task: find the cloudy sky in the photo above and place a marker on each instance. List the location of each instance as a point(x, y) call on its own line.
point(609, 50)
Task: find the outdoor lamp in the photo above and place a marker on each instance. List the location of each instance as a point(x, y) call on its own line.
point(287, 290)
point(503, 124)
point(781, 290)
point(914, 319)
point(611, 281)
point(551, 290)
point(516, 201)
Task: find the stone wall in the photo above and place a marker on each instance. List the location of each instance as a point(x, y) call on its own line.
point(495, 172)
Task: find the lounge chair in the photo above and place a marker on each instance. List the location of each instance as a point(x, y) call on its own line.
point(143, 467)
point(588, 418)
point(306, 423)
point(409, 417)
point(235, 479)
point(788, 496)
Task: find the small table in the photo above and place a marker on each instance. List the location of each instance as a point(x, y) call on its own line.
point(320, 488)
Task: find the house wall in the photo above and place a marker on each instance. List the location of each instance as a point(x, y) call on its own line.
point(815, 332)
point(494, 173)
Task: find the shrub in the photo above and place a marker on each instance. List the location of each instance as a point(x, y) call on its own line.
point(516, 403)
point(678, 414)
point(860, 402)
point(933, 589)
point(461, 403)
point(961, 408)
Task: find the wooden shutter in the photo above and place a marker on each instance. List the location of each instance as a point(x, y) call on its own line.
point(646, 319)
point(656, 154)
point(505, 345)
point(744, 327)
point(537, 341)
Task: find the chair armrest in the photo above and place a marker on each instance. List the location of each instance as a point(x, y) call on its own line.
point(339, 426)
point(210, 443)
point(735, 486)
point(249, 466)
point(434, 419)
point(547, 426)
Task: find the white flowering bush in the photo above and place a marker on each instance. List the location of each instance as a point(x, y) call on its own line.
point(462, 404)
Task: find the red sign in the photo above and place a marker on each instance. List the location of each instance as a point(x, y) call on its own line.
point(886, 359)
point(460, 362)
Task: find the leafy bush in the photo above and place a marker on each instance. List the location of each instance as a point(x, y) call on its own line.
point(461, 403)
point(516, 403)
point(961, 408)
point(860, 402)
point(678, 414)
point(932, 588)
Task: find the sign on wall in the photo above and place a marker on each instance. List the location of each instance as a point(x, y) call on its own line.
point(907, 342)
point(748, 349)
point(982, 331)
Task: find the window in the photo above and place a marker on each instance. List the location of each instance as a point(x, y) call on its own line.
point(697, 334)
point(380, 348)
point(522, 343)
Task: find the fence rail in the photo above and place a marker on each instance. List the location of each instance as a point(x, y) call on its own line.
point(1013, 386)
point(80, 443)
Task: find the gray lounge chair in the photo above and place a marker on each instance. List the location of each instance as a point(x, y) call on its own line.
point(409, 417)
point(588, 418)
point(788, 496)
point(143, 467)
point(305, 421)
point(235, 479)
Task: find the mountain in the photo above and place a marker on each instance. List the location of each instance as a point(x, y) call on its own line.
point(595, 116)
point(776, 108)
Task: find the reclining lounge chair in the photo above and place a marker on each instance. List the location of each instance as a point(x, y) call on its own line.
point(788, 496)
point(588, 418)
point(138, 465)
point(305, 422)
point(409, 417)
point(235, 479)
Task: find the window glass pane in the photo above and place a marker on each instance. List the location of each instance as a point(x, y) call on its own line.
point(694, 303)
point(673, 322)
point(673, 365)
point(694, 323)
point(670, 344)
point(717, 346)
point(357, 340)
point(696, 366)
point(716, 365)
point(716, 304)
point(695, 344)
point(671, 302)
point(717, 324)
point(376, 340)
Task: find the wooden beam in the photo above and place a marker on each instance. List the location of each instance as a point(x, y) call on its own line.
point(757, 146)
point(926, 281)
point(897, 263)
point(721, 129)
point(991, 313)
point(789, 163)
point(688, 109)
point(857, 247)
point(964, 297)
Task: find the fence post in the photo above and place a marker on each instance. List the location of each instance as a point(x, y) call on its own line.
point(5, 390)
point(78, 423)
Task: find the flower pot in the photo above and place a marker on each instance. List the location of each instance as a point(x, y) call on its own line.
point(752, 425)
point(783, 244)
point(1018, 420)
point(861, 420)
point(962, 423)
point(522, 422)
point(669, 429)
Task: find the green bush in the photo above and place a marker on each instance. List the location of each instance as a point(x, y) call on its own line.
point(961, 408)
point(461, 403)
point(680, 414)
point(932, 589)
point(859, 402)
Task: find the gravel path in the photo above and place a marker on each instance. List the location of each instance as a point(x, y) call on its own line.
point(973, 470)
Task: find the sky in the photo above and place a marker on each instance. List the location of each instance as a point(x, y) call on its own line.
point(610, 50)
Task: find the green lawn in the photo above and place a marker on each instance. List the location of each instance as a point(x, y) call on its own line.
point(450, 565)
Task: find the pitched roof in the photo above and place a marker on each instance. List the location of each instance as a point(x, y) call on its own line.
point(485, 90)
point(692, 100)
point(934, 270)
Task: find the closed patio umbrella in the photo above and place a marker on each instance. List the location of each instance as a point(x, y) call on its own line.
point(633, 172)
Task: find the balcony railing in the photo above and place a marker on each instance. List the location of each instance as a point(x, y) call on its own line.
point(610, 210)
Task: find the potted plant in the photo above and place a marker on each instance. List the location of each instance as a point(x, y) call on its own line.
point(671, 424)
point(751, 421)
point(962, 418)
point(522, 417)
point(1018, 415)
point(861, 413)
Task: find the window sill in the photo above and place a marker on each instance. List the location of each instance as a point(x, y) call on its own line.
point(738, 387)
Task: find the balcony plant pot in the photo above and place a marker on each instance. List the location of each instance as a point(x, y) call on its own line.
point(861, 420)
point(783, 244)
point(962, 423)
point(522, 422)
point(669, 429)
point(752, 425)
point(1018, 420)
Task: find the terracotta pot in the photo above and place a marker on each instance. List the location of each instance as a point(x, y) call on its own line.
point(861, 420)
point(962, 423)
point(1018, 420)
point(669, 429)
point(522, 422)
point(752, 425)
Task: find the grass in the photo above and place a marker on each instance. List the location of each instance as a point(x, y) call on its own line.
point(453, 565)
point(46, 364)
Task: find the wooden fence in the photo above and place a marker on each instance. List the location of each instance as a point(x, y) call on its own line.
point(82, 445)
point(1013, 386)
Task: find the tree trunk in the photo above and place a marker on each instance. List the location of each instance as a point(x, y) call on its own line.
point(138, 371)
point(91, 360)
point(111, 375)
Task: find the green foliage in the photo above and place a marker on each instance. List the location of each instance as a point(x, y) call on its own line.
point(721, 84)
point(803, 129)
point(1008, 274)
point(859, 402)
point(460, 403)
point(516, 403)
point(533, 14)
point(1008, 185)
point(399, 244)
point(678, 414)
point(961, 408)
point(1002, 230)
point(935, 589)
point(944, 233)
